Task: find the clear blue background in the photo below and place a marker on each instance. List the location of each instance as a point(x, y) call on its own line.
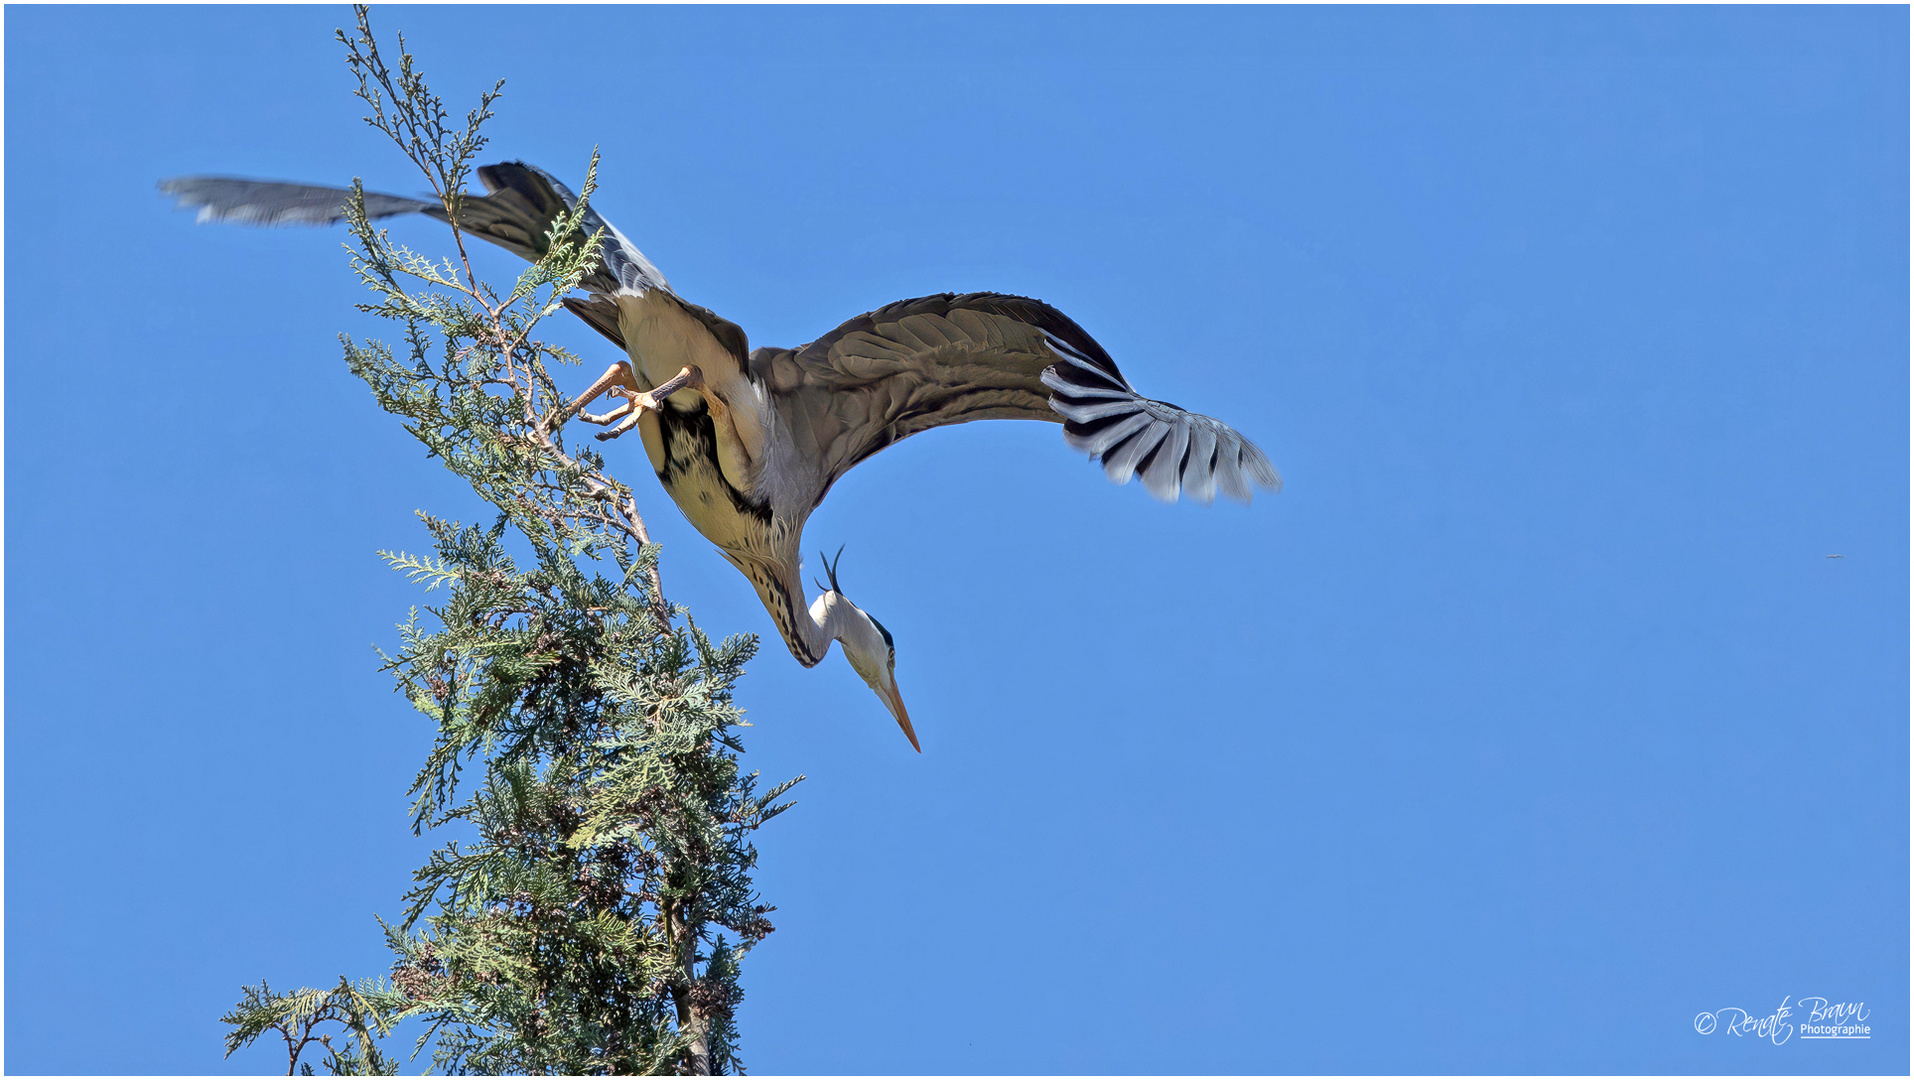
point(1531, 720)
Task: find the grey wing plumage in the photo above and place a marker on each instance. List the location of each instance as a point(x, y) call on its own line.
point(950, 359)
point(269, 202)
point(521, 195)
point(516, 213)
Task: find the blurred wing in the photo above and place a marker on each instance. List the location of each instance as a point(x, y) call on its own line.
point(267, 203)
point(517, 213)
point(949, 359)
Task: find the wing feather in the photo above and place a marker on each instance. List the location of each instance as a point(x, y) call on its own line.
point(978, 328)
point(1229, 470)
point(268, 203)
point(1162, 476)
point(516, 213)
point(1120, 461)
point(951, 359)
point(1199, 474)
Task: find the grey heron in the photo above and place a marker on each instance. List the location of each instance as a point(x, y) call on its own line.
point(747, 442)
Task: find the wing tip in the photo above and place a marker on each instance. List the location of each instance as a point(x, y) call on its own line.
point(1126, 444)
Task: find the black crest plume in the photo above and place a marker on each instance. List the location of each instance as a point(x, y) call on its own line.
point(830, 571)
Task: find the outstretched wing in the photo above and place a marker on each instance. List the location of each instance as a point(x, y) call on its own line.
point(267, 203)
point(949, 359)
point(517, 213)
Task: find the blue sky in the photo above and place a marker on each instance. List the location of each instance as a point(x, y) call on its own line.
point(1530, 721)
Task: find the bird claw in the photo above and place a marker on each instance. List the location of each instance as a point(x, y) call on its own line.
point(618, 382)
point(637, 409)
point(601, 419)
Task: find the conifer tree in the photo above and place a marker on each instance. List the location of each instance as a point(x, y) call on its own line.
point(593, 918)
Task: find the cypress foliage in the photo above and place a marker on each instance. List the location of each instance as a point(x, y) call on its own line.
point(594, 917)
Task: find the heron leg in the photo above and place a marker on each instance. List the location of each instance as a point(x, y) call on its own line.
point(637, 401)
point(618, 380)
point(618, 411)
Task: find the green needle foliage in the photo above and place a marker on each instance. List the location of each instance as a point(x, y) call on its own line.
point(594, 919)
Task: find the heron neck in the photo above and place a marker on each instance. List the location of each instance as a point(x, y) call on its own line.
point(831, 618)
point(807, 629)
point(829, 614)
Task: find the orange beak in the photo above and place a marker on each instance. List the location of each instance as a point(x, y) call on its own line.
point(896, 703)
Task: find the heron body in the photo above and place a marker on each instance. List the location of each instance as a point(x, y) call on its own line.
point(748, 442)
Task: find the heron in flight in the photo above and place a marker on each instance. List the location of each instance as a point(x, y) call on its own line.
point(748, 441)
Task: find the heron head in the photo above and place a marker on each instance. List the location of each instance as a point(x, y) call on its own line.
point(869, 647)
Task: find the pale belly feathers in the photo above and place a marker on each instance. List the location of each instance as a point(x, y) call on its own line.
point(713, 464)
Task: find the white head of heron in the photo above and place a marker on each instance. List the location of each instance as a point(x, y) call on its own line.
point(869, 647)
